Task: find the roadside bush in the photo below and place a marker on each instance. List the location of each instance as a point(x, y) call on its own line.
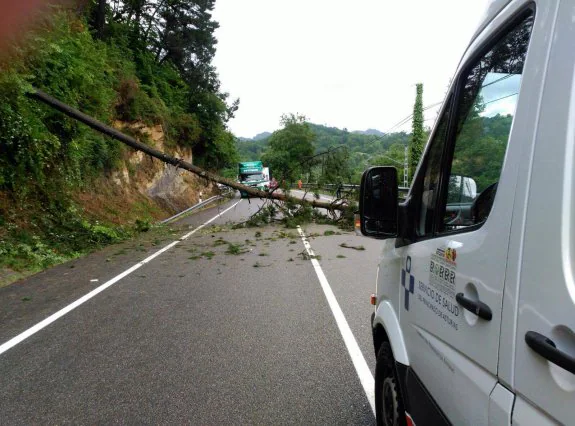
point(184, 129)
point(134, 104)
point(46, 157)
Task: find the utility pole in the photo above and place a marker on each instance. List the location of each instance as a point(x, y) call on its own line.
point(405, 167)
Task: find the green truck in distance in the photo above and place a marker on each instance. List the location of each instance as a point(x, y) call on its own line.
point(253, 173)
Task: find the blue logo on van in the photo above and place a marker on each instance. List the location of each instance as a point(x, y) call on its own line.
point(405, 275)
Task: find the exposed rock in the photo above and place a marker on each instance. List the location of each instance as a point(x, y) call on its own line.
point(172, 188)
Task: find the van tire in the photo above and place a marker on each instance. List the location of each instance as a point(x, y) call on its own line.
point(389, 409)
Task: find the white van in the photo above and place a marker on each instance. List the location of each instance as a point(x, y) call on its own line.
point(475, 304)
point(266, 174)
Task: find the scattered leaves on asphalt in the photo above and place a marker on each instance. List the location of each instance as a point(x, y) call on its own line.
point(208, 254)
point(220, 242)
point(235, 249)
point(344, 245)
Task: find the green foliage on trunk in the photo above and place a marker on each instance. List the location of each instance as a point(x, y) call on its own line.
point(417, 142)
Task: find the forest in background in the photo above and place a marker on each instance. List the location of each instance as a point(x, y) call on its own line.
point(347, 154)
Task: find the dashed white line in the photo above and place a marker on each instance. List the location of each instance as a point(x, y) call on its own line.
point(361, 367)
point(36, 328)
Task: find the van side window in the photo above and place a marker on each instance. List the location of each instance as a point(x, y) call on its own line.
point(432, 167)
point(487, 99)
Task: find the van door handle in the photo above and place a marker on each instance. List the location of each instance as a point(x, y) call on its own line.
point(478, 308)
point(547, 349)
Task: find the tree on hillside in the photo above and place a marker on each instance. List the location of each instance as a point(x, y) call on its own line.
point(417, 142)
point(334, 166)
point(97, 18)
point(362, 151)
point(290, 149)
point(394, 156)
point(480, 145)
point(172, 42)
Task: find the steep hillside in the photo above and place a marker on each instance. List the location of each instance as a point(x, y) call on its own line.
point(48, 227)
point(65, 189)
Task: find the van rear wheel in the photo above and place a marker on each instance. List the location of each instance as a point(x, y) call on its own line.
point(389, 409)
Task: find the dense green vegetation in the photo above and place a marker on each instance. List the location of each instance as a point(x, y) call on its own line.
point(346, 155)
point(480, 148)
point(418, 137)
point(340, 155)
point(288, 148)
point(134, 61)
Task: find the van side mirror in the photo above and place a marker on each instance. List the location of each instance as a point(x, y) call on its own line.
point(461, 189)
point(378, 202)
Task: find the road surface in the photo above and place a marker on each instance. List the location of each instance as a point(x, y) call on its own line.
point(224, 326)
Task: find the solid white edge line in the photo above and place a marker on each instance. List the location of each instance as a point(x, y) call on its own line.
point(44, 323)
point(361, 367)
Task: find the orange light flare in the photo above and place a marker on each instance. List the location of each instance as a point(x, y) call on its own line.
point(16, 17)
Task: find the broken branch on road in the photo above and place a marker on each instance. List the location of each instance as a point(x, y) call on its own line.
point(177, 162)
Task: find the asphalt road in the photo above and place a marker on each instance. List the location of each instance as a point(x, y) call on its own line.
point(228, 326)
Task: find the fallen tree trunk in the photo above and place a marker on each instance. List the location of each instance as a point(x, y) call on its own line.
point(178, 162)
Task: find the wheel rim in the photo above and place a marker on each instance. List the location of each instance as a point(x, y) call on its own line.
point(389, 405)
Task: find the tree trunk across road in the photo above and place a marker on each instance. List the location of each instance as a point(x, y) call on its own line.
point(178, 162)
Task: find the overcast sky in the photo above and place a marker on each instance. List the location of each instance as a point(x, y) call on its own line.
point(348, 64)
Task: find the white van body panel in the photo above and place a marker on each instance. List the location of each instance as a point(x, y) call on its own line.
point(386, 314)
point(521, 261)
point(453, 353)
point(491, 11)
point(524, 414)
point(547, 282)
point(386, 317)
point(500, 406)
point(529, 109)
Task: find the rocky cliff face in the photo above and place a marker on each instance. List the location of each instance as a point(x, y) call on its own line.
point(172, 188)
point(39, 231)
point(145, 186)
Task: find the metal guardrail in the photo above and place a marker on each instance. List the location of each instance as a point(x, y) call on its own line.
point(194, 207)
point(344, 186)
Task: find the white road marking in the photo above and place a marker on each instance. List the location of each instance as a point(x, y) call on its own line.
point(36, 328)
point(361, 367)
